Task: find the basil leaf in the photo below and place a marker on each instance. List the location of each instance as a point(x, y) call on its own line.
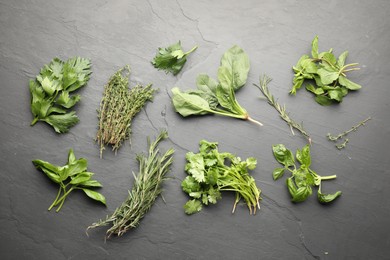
point(236, 62)
point(278, 173)
point(303, 156)
point(95, 195)
point(326, 198)
point(189, 104)
point(301, 194)
point(283, 155)
point(291, 186)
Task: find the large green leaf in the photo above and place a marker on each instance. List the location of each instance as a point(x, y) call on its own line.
point(283, 155)
point(189, 104)
point(236, 61)
point(95, 195)
point(327, 77)
point(348, 84)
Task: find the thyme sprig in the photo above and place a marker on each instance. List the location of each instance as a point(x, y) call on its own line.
point(264, 81)
point(146, 188)
point(354, 128)
point(118, 107)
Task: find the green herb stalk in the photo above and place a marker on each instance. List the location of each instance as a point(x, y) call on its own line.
point(118, 107)
point(264, 81)
point(146, 188)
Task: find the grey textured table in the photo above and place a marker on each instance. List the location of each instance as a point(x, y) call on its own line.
point(274, 34)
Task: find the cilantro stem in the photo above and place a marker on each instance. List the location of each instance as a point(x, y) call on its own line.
point(35, 120)
point(193, 49)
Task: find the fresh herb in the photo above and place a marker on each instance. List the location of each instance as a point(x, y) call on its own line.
point(264, 81)
point(72, 176)
point(345, 133)
point(214, 97)
point(50, 92)
point(146, 188)
point(211, 172)
point(303, 178)
point(172, 58)
point(328, 73)
point(118, 107)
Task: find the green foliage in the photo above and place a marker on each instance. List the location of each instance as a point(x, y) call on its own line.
point(172, 58)
point(118, 107)
point(214, 97)
point(70, 177)
point(329, 74)
point(51, 96)
point(302, 179)
point(344, 143)
point(211, 172)
point(146, 188)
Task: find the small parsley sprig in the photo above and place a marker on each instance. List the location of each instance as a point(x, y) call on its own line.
point(172, 58)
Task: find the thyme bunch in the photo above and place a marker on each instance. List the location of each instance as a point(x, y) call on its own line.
point(264, 81)
point(146, 188)
point(118, 107)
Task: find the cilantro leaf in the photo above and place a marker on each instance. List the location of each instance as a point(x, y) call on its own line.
point(192, 206)
point(172, 58)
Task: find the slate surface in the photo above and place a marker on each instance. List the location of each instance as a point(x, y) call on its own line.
point(274, 34)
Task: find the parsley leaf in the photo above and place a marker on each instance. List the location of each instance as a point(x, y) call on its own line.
point(172, 58)
point(51, 96)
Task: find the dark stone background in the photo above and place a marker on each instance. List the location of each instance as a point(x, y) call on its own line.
point(274, 34)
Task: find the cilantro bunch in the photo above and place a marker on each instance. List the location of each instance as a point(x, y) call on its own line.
point(51, 96)
point(172, 58)
point(72, 176)
point(302, 179)
point(328, 73)
point(211, 172)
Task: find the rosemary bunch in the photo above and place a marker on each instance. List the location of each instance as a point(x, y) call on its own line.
point(118, 107)
point(146, 188)
point(264, 81)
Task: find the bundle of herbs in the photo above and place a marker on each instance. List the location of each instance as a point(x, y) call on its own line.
point(328, 73)
point(214, 97)
point(72, 176)
point(302, 178)
point(118, 107)
point(51, 92)
point(146, 188)
point(211, 172)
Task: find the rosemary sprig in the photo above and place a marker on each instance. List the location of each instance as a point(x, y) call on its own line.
point(118, 107)
point(145, 190)
point(264, 81)
point(345, 133)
